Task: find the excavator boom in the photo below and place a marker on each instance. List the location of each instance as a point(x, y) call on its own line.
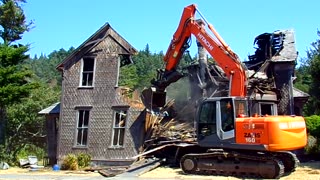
point(215, 46)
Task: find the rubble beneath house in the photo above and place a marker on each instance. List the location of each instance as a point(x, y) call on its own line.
point(169, 124)
point(166, 125)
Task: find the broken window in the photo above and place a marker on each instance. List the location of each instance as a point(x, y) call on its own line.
point(125, 59)
point(119, 126)
point(82, 127)
point(126, 69)
point(87, 71)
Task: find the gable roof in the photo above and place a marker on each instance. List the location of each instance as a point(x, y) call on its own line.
point(105, 31)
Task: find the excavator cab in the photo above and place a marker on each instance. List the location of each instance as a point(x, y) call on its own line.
point(216, 119)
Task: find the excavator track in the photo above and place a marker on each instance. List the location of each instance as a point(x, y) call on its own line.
point(289, 160)
point(245, 165)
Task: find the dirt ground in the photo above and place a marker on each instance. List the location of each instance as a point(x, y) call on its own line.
point(47, 171)
point(306, 171)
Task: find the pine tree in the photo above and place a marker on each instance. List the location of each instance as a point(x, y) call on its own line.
point(14, 77)
point(314, 62)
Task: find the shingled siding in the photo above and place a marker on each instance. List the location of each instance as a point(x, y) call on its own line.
point(100, 100)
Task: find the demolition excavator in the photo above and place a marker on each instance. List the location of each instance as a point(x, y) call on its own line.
point(231, 140)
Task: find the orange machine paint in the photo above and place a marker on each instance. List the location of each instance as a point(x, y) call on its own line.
point(275, 132)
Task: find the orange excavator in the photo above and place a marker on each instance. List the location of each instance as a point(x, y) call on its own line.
point(231, 140)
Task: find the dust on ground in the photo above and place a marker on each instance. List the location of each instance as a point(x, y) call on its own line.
point(47, 171)
point(306, 171)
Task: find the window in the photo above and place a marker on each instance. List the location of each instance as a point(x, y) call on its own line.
point(123, 60)
point(241, 108)
point(267, 109)
point(87, 72)
point(207, 120)
point(119, 126)
point(56, 124)
point(227, 117)
point(82, 127)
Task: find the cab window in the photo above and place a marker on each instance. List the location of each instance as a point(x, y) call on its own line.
point(227, 115)
point(207, 119)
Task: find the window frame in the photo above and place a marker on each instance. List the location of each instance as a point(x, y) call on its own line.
point(82, 71)
point(118, 71)
point(122, 60)
point(273, 107)
point(223, 135)
point(85, 109)
point(124, 128)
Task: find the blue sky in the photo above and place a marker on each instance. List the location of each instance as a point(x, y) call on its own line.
point(65, 23)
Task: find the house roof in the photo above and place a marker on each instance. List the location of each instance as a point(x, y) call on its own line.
point(105, 31)
point(53, 109)
point(299, 93)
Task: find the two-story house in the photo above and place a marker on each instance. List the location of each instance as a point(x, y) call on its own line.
point(94, 118)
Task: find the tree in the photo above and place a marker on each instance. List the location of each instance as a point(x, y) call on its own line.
point(312, 73)
point(128, 76)
point(15, 82)
point(25, 126)
point(146, 64)
point(45, 66)
point(12, 21)
point(139, 75)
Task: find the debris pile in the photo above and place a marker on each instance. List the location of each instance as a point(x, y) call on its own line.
point(170, 124)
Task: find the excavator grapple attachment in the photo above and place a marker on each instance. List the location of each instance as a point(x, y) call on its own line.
point(152, 98)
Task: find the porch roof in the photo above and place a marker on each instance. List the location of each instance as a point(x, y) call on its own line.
point(53, 109)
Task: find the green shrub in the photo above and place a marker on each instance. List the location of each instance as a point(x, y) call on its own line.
point(74, 162)
point(83, 160)
point(31, 150)
point(70, 162)
point(312, 146)
point(4, 156)
point(313, 125)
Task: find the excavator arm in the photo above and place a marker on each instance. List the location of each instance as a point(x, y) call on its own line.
point(214, 45)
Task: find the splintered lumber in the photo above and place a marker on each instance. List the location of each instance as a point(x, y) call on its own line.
point(152, 121)
point(170, 124)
